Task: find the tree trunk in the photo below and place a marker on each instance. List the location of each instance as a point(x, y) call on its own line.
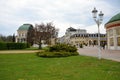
point(40, 44)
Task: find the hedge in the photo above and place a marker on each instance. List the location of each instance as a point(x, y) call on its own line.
point(3, 46)
point(59, 50)
point(13, 46)
point(62, 47)
point(56, 54)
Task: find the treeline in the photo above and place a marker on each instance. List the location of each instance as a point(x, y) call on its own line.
point(13, 46)
point(10, 38)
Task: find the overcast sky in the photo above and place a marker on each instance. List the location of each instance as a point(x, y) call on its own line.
point(63, 14)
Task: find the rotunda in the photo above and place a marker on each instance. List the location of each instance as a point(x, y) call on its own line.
point(113, 32)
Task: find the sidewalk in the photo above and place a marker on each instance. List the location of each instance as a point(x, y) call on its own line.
point(17, 51)
point(106, 54)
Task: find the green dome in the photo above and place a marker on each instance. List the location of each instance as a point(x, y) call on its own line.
point(114, 18)
point(25, 27)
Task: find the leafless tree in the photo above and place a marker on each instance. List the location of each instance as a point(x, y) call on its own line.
point(6, 38)
point(30, 35)
point(45, 32)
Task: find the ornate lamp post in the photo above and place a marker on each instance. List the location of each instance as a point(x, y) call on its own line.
point(98, 21)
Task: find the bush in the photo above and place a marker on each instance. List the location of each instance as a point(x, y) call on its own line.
point(56, 54)
point(28, 45)
point(3, 46)
point(63, 47)
point(59, 50)
point(45, 48)
point(13, 46)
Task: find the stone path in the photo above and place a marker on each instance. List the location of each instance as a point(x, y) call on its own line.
point(17, 51)
point(106, 54)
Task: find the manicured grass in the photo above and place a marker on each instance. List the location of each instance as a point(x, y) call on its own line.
point(32, 67)
point(32, 48)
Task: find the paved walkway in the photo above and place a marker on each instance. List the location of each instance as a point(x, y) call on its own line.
point(17, 51)
point(106, 54)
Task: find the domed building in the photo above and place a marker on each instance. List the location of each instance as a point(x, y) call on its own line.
point(113, 32)
point(22, 33)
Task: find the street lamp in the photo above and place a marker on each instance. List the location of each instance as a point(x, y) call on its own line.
point(98, 22)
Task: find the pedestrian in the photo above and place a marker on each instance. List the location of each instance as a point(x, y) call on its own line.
point(103, 45)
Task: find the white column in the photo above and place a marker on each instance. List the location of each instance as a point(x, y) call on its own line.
point(114, 39)
point(16, 39)
point(108, 39)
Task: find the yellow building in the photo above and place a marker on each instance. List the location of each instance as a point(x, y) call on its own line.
point(77, 37)
point(113, 32)
point(87, 39)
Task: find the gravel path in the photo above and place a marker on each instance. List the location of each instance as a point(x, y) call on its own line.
point(18, 51)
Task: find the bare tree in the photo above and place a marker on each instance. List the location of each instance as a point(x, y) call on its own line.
point(2, 38)
point(30, 35)
point(44, 33)
point(13, 38)
point(6, 38)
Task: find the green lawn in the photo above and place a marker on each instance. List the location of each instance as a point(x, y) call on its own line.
point(32, 48)
point(31, 67)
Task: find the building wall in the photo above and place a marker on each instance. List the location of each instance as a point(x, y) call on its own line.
point(87, 40)
point(113, 35)
point(22, 36)
point(71, 31)
point(80, 36)
point(79, 40)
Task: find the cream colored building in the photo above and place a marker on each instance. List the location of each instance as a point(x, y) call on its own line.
point(80, 36)
point(87, 39)
point(71, 31)
point(22, 33)
point(113, 32)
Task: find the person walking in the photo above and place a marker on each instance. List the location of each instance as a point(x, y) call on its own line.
point(103, 45)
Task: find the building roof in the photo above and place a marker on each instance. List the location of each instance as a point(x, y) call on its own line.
point(25, 27)
point(114, 18)
point(71, 29)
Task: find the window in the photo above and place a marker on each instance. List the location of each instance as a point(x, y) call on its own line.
point(19, 35)
point(25, 34)
point(111, 42)
point(118, 41)
point(22, 34)
point(111, 32)
point(118, 31)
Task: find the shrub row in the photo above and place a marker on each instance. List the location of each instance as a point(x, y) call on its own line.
point(63, 47)
point(59, 50)
point(56, 54)
point(13, 46)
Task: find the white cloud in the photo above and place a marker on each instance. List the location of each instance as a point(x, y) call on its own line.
point(63, 13)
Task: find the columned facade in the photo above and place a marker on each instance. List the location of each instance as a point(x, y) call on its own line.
point(113, 32)
point(77, 37)
point(87, 39)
